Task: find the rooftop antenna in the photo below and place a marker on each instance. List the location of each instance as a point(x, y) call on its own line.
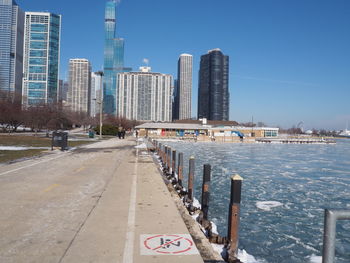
point(146, 61)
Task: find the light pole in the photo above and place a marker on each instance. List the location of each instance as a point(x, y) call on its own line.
point(101, 101)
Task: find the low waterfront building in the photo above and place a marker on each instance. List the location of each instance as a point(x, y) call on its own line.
point(204, 132)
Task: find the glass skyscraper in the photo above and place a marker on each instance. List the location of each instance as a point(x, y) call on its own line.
point(41, 58)
point(213, 92)
point(113, 59)
point(11, 47)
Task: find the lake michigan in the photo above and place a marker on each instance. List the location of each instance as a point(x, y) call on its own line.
point(286, 188)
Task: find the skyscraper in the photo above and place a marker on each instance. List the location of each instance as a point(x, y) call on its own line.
point(145, 96)
point(79, 91)
point(42, 32)
point(184, 87)
point(11, 47)
point(96, 86)
point(113, 58)
point(213, 92)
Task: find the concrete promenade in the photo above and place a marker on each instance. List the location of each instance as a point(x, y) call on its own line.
point(103, 202)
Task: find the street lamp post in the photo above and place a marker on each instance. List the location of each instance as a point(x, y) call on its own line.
point(101, 101)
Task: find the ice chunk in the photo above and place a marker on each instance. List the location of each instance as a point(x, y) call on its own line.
point(267, 205)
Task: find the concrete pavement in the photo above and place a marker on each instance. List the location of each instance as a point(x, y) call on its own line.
point(103, 202)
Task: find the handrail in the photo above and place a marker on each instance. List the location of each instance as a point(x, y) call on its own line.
point(330, 220)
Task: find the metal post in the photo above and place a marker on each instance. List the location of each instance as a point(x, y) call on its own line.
point(190, 178)
point(205, 190)
point(180, 168)
point(101, 102)
point(331, 217)
point(173, 162)
point(233, 220)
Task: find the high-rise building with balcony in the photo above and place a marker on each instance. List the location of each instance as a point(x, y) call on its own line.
point(113, 58)
point(41, 58)
point(145, 96)
point(183, 95)
point(96, 93)
point(213, 91)
point(79, 91)
point(11, 48)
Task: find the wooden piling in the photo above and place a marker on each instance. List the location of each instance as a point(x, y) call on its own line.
point(205, 190)
point(190, 178)
point(180, 168)
point(234, 215)
point(169, 159)
point(173, 163)
point(164, 156)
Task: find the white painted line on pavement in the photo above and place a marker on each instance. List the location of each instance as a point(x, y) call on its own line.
point(30, 165)
point(130, 232)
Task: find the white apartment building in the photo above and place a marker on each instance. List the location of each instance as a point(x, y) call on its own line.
point(184, 83)
point(96, 93)
point(144, 95)
point(79, 91)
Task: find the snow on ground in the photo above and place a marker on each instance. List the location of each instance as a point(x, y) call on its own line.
point(20, 148)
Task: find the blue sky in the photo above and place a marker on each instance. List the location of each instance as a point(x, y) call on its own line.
point(289, 59)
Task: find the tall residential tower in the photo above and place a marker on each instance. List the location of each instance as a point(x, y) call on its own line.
point(113, 58)
point(79, 90)
point(182, 100)
point(213, 92)
point(11, 47)
point(145, 96)
point(42, 32)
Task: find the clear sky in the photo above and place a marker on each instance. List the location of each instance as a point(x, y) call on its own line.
point(289, 59)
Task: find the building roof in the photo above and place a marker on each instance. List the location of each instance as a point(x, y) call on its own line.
point(170, 125)
point(195, 126)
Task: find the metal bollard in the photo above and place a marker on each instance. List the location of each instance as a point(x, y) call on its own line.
point(233, 220)
point(190, 178)
point(173, 163)
point(180, 168)
point(205, 190)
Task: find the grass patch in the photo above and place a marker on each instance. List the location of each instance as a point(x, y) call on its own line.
point(29, 141)
point(7, 156)
point(24, 140)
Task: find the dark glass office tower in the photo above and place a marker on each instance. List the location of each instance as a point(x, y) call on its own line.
point(213, 93)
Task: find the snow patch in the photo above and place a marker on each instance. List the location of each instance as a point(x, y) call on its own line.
point(20, 148)
point(141, 146)
point(245, 257)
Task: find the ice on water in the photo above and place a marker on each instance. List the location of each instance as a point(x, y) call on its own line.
point(267, 205)
point(285, 191)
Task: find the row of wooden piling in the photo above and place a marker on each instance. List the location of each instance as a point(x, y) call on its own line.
point(168, 157)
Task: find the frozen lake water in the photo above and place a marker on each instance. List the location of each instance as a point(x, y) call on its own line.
point(285, 191)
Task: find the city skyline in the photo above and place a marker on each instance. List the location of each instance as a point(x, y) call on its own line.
point(289, 61)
